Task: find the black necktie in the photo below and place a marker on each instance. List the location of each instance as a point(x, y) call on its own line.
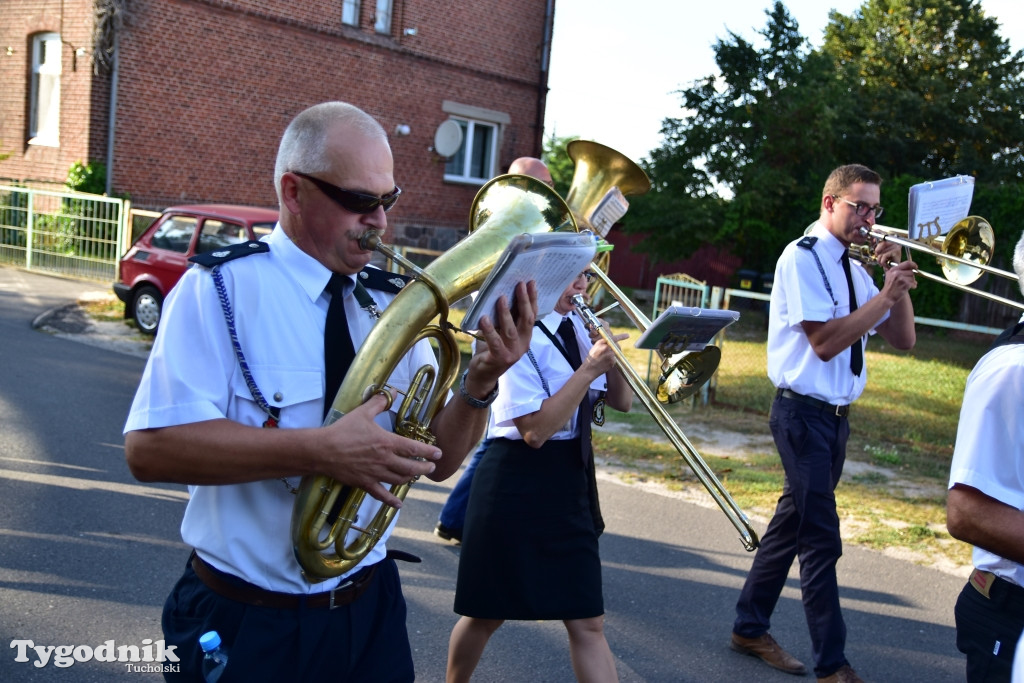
point(338, 349)
point(857, 350)
point(567, 333)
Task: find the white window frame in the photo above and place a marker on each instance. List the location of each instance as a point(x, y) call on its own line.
point(473, 121)
point(350, 12)
point(44, 90)
point(382, 17)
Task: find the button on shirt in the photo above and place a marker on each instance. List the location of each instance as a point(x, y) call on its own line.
point(193, 375)
point(521, 390)
point(988, 452)
point(800, 294)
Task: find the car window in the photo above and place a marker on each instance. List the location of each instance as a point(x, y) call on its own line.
point(219, 234)
point(175, 233)
point(262, 229)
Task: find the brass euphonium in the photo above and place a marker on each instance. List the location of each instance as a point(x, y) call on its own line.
point(598, 170)
point(325, 538)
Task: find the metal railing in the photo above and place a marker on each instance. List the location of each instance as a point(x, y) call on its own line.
point(67, 233)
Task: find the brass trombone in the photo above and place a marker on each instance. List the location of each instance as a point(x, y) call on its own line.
point(964, 254)
point(599, 171)
point(675, 435)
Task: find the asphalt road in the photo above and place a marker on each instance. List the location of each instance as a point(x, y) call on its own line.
point(88, 554)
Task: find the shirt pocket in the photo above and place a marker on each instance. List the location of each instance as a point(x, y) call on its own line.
point(296, 392)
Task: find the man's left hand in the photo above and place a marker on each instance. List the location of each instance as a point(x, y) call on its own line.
point(505, 340)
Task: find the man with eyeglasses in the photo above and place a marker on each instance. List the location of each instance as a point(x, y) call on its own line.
point(822, 309)
point(254, 343)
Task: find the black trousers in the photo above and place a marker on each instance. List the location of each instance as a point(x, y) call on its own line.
point(812, 447)
point(365, 641)
point(987, 630)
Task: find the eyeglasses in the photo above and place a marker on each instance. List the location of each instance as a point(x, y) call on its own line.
point(862, 209)
point(588, 274)
point(356, 202)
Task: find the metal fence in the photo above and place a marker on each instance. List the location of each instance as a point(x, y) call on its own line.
point(753, 327)
point(68, 233)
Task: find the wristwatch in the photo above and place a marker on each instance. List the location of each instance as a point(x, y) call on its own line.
point(473, 400)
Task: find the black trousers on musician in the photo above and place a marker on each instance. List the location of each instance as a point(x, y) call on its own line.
point(812, 447)
point(988, 628)
point(365, 641)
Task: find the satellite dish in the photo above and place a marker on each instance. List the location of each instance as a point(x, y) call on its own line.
point(448, 138)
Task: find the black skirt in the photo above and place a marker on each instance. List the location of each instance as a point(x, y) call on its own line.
point(530, 544)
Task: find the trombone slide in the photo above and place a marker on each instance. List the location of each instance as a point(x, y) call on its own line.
point(675, 435)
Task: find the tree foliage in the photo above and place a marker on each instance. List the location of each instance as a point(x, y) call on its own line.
point(558, 162)
point(934, 91)
point(918, 90)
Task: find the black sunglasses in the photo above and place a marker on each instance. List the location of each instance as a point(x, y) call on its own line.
point(356, 202)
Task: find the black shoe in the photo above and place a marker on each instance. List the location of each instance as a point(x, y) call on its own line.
point(444, 533)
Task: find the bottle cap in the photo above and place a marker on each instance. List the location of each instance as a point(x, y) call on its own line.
point(209, 641)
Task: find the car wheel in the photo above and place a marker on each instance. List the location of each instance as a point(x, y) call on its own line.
point(146, 309)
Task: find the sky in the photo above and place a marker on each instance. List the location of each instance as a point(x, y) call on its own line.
point(613, 72)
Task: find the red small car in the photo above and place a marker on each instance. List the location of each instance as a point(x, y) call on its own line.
point(157, 260)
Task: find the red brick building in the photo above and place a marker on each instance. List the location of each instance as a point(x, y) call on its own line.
point(185, 100)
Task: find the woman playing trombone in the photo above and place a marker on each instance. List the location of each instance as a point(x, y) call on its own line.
point(530, 542)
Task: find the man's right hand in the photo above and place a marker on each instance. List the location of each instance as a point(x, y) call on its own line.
point(359, 452)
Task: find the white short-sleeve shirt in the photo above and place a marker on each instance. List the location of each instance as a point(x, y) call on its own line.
point(989, 452)
point(521, 390)
point(193, 375)
point(799, 293)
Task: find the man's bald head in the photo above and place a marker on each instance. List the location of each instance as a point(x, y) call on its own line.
point(532, 167)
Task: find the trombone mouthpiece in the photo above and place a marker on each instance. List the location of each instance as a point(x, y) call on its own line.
point(369, 240)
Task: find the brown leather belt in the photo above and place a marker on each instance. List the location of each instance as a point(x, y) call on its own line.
point(345, 594)
point(838, 411)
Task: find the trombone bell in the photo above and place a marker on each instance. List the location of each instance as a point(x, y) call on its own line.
point(683, 374)
point(971, 239)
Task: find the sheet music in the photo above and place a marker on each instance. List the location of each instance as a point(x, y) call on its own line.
point(935, 207)
point(552, 260)
point(685, 328)
point(610, 209)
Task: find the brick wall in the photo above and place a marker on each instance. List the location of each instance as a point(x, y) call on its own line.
point(20, 22)
point(206, 87)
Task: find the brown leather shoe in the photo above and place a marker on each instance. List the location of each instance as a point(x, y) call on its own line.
point(846, 674)
point(770, 652)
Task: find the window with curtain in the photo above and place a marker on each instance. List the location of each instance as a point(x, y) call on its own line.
point(44, 91)
point(350, 12)
point(382, 22)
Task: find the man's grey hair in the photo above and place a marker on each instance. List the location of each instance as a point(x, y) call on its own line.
point(303, 146)
point(1018, 262)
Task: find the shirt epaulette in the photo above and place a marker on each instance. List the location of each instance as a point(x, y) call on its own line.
point(216, 257)
point(375, 278)
point(807, 242)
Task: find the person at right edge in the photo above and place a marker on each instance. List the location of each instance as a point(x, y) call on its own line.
point(822, 309)
point(985, 506)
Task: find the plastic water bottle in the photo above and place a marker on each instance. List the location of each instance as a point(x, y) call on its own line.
point(216, 658)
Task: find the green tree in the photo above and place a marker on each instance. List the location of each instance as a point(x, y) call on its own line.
point(558, 162)
point(744, 168)
point(935, 91)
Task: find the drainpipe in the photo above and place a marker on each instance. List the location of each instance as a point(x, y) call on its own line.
point(112, 114)
point(542, 86)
